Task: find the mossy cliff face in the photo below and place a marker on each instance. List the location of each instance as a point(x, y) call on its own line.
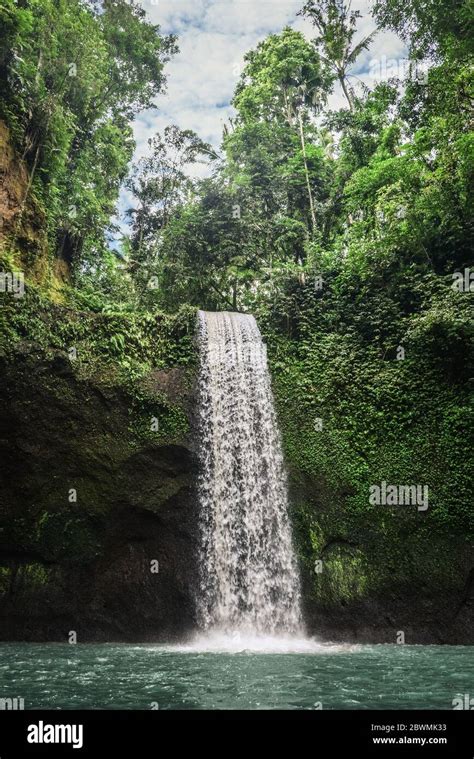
point(22, 220)
point(369, 577)
point(349, 421)
point(97, 499)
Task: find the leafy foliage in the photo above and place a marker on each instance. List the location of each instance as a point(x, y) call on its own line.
point(73, 75)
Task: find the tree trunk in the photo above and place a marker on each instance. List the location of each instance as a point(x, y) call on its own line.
point(221, 295)
point(342, 80)
point(308, 183)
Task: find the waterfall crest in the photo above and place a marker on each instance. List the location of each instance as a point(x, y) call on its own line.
point(249, 580)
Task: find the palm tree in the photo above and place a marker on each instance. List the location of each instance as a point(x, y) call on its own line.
point(337, 24)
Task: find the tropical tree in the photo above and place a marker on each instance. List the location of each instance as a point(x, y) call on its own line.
point(160, 182)
point(337, 26)
point(73, 75)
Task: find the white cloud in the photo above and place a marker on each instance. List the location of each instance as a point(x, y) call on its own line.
point(214, 36)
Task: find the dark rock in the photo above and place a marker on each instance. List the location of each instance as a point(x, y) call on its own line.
point(86, 564)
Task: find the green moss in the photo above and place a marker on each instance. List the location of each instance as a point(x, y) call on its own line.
point(113, 350)
point(345, 576)
point(404, 422)
point(116, 348)
point(380, 421)
point(153, 418)
point(33, 576)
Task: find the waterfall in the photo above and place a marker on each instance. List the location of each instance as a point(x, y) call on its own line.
point(249, 580)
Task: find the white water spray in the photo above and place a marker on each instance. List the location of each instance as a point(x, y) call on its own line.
point(249, 584)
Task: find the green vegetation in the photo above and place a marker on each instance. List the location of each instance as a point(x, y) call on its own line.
point(110, 344)
point(73, 76)
point(342, 231)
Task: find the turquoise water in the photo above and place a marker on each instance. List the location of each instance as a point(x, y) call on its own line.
point(121, 676)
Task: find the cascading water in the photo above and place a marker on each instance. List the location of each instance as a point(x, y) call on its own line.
point(249, 580)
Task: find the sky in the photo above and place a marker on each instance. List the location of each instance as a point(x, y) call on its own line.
point(213, 37)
